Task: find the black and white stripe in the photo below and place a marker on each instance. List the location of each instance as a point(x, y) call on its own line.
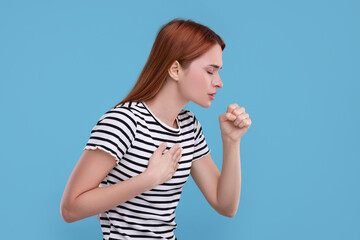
point(131, 133)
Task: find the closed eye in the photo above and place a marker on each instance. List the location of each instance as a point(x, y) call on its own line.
point(209, 72)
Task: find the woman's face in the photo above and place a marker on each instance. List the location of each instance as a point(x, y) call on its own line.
point(201, 78)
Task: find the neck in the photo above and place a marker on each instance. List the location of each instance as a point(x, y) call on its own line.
point(167, 103)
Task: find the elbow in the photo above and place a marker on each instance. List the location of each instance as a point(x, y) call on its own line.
point(231, 214)
point(228, 213)
point(66, 213)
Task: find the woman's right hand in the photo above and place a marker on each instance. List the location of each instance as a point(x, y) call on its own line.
point(163, 166)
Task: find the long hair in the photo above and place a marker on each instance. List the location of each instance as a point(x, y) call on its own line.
point(179, 39)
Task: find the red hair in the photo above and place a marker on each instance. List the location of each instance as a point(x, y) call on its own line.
point(181, 40)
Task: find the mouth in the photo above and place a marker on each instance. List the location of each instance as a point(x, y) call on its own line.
point(211, 96)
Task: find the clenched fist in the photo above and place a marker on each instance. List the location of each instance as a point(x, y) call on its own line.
point(234, 123)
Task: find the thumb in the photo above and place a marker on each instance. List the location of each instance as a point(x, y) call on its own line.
point(230, 116)
point(227, 116)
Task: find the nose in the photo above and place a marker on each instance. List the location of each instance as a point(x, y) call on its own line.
point(218, 83)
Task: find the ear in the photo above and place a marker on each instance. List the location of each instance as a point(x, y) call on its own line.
point(174, 70)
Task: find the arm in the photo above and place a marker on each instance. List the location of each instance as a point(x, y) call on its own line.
point(221, 190)
point(230, 180)
point(83, 198)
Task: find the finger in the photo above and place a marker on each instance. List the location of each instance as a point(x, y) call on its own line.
point(176, 166)
point(231, 107)
point(174, 148)
point(176, 163)
point(161, 148)
point(238, 111)
point(238, 121)
point(245, 123)
point(178, 154)
point(162, 145)
point(242, 116)
point(230, 116)
point(175, 155)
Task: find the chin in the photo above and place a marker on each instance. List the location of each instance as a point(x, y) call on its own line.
point(203, 103)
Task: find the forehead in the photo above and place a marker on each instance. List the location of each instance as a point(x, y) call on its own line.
point(212, 56)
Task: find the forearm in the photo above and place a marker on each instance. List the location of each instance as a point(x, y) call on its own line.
point(229, 186)
point(102, 199)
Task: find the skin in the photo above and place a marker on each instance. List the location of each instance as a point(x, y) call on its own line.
point(83, 198)
point(193, 84)
point(221, 190)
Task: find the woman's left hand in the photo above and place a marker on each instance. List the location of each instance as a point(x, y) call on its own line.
point(234, 123)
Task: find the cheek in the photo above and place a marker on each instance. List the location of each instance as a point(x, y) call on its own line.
point(197, 81)
point(194, 84)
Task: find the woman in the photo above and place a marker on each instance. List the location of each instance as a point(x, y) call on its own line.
point(142, 151)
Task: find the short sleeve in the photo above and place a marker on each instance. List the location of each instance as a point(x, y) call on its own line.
point(114, 132)
point(200, 146)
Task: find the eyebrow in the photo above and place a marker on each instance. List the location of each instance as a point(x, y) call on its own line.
point(215, 66)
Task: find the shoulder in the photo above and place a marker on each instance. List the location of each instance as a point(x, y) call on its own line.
point(187, 114)
point(121, 113)
point(191, 118)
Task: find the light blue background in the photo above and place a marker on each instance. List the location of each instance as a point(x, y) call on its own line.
point(293, 65)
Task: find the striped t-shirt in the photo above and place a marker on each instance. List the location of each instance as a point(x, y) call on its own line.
point(131, 133)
